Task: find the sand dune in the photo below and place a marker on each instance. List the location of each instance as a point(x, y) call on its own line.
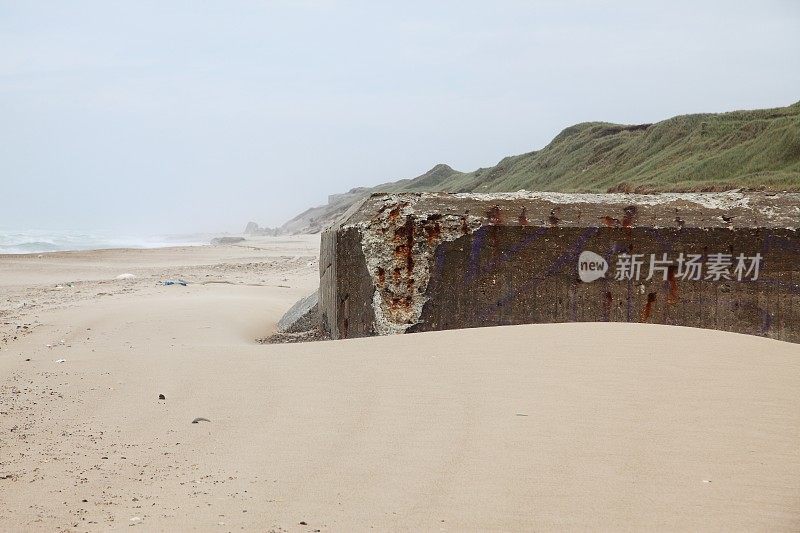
point(566, 426)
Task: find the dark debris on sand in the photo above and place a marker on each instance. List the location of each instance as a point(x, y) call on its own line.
point(314, 334)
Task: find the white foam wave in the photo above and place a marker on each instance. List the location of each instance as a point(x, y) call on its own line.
point(40, 241)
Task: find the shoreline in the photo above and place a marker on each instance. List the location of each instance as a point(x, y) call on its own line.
point(101, 250)
point(253, 240)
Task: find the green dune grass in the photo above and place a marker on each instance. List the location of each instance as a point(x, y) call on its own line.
point(742, 149)
point(755, 150)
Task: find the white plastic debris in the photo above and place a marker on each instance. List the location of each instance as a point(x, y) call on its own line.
point(125, 276)
point(61, 360)
point(135, 520)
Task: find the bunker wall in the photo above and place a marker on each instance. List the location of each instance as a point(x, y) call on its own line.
point(409, 263)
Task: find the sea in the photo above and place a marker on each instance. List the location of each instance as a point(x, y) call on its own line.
point(40, 241)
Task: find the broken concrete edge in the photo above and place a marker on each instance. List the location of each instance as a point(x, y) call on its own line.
point(395, 261)
point(302, 316)
point(752, 209)
point(301, 323)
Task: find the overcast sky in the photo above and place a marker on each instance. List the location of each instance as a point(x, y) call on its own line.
point(170, 116)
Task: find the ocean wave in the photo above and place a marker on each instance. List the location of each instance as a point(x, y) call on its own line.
point(29, 248)
point(39, 241)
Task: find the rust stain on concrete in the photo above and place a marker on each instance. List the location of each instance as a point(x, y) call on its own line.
point(648, 307)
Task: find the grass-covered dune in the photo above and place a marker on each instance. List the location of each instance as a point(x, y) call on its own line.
point(757, 149)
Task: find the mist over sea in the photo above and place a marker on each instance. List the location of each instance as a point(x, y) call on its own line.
point(40, 241)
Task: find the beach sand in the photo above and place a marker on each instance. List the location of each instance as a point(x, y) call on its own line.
point(541, 427)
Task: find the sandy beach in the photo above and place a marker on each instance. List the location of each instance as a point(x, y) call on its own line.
point(545, 427)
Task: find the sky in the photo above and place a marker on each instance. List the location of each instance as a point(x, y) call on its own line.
point(182, 116)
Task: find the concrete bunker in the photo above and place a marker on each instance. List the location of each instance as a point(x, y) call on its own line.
point(398, 263)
